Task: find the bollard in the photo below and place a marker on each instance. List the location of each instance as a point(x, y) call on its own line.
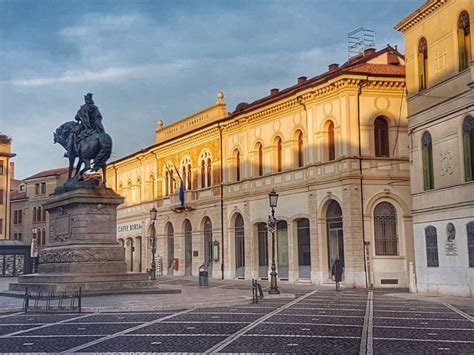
point(203, 276)
point(411, 278)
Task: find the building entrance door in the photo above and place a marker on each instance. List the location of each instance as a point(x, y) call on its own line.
point(239, 247)
point(335, 234)
point(188, 249)
point(262, 250)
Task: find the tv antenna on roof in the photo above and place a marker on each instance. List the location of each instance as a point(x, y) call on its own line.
point(359, 40)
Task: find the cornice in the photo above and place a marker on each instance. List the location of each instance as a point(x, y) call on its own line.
point(420, 14)
point(314, 95)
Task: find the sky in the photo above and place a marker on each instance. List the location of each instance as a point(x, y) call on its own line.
point(146, 60)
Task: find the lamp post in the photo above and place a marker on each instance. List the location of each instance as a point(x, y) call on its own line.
point(273, 199)
point(34, 248)
point(153, 242)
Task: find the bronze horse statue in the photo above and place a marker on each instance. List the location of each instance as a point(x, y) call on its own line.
point(93, 150)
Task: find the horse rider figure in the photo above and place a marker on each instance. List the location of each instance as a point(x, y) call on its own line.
point(90, 120)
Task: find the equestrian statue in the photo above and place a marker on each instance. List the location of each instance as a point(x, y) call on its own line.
point(85, 139)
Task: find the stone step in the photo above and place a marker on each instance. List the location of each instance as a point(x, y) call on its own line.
point(67, 278)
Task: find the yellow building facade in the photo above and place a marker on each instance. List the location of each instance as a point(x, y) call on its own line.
point(335, 149)
point(440, 79)
point(5, 176)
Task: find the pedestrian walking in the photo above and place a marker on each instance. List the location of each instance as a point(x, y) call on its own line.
point(337, 271)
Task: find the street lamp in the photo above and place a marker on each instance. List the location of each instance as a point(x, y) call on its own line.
point(153, 242)
point(273, 199)
point(34, 247)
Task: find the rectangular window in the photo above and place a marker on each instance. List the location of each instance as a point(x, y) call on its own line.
point(19, 236)
point(37, 189)
point(1, 226)
point(1, 197)
point(43, 187)
point(20, 216)
point(15, 217)
point(470, 243)
point(2, 169)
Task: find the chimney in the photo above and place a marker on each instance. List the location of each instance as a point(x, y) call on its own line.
point(12, 170)
point(273, 92)
point(369, 51)
point(333, 66)
point(302, 79)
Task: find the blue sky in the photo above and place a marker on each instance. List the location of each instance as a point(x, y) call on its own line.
point(149, 60)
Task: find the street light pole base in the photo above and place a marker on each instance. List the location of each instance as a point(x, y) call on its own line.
point(273, 291)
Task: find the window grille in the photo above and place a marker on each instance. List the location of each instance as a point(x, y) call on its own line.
point(431, 238)
point(385, 221)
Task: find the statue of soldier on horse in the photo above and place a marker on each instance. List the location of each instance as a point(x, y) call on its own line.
point(85, 139)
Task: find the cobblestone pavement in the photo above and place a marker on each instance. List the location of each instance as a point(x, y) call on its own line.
point(317, 321)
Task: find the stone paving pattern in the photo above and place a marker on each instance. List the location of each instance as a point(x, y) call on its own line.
point(317, 321)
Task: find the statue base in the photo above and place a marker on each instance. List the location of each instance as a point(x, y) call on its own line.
point(82, 248)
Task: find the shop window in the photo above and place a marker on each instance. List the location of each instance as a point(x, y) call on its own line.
point(431, 239)
point(464, 40)
point(422, 63)
point(385, 229)
point(427, 159)
point(381, 137)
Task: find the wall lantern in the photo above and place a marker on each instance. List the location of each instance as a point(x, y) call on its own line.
point(215, 250)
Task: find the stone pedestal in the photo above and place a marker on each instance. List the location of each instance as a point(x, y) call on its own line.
point(82, 247)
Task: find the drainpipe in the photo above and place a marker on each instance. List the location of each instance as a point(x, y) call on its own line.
point(222, 201)
point(368, 280)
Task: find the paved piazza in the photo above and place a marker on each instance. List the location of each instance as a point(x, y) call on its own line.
point(319, 321)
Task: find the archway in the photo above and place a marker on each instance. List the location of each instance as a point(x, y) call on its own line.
point(335, 233)
point(208, 244)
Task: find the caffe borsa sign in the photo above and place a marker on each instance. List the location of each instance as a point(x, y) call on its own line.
point(130, 229)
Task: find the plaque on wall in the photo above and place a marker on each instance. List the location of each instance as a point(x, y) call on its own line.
point(450, 247)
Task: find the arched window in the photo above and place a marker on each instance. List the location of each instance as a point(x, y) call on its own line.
point(422, 63)
point(385, 229)
point(431, 239)
point(278, 154)
point(381, 137)
point(34, 214)
point(138, 191)
point(259, 159)
point(427, 156)
point(237, 164)
point(331, 143)
point(464, 40)
point(151, 187)
point(203, 174)
point(43, 237)
point(239, 246)
point(167, 184)
point(299, 149)
point(470, 242)
point(206, 169)
point(209, 172)
point(184, 177)
point(129, 193)
point(468, 144)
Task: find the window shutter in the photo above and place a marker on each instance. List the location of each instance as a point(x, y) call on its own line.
point(421, 71)
point(462, 49)
point(467, 156)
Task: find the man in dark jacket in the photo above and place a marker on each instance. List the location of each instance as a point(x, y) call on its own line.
point(337, 271)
